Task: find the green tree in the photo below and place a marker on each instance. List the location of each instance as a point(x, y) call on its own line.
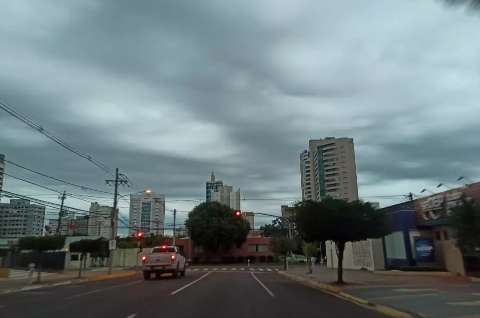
point(310, 250)
point(338, 221)
point(96, 248)
point(282, 246)
point(41, 244)
point(215, 227)
point(465, 219)
point(278, 227)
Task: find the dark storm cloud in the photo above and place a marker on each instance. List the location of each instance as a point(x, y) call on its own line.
point(170, 90)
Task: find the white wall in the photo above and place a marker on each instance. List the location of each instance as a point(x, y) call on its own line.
point(366, 254)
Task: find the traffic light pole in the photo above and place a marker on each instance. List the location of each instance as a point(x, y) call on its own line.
point(174, 225)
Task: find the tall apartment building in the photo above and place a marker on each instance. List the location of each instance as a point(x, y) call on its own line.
point(216, 191)
point(100, 220)
point(212, 186)
point(147, 212)
point(250, 218)
point(328, 169)
point(2, 170)
point(19, 218)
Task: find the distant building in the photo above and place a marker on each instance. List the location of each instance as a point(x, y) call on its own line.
point(99, 222)
point(306, 176)
point(328, 169)
point(250, 217)
point(19, 218)
point(216, 191)
point(80, 226)
point(287, 211)
point(212, 186)
point(2, 170)
point(147, 213)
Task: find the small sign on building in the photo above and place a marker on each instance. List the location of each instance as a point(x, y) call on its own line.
point(112, 245)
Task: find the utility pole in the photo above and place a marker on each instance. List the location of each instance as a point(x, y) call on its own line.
point(114, 215)
point(64, 195)
point(174, 225)
point(410, 196)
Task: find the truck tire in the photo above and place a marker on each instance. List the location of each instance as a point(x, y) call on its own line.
point(146, 275)
point(176, 273)
point(184, 271)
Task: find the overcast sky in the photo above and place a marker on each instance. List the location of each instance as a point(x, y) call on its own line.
point(170, 90)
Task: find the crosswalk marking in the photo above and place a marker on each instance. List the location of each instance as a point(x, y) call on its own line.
point(260, 269)
point(215, 269)
point(234, 269)
point(205, 269)
point(269, 269)
point(242, 269)
point(195, 269)
point(224, 269)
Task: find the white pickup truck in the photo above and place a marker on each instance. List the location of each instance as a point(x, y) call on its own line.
point(163, 259)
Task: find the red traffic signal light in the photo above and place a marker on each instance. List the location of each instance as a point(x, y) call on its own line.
point(238, 213)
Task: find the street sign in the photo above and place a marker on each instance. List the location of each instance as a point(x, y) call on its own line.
point(112, 245)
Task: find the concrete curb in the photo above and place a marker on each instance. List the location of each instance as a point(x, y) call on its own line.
point(337, 292)
point(71, 282)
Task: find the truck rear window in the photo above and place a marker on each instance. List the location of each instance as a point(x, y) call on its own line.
point(163, 250)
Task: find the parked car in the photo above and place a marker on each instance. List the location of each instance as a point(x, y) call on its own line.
point(163, 259)
point(296, 259)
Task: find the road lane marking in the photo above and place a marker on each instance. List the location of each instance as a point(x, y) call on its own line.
point(404, 296)
point(62, 283)
point(205, 269)
point(251, 268)
point(242, 269)
point(131, 316)
point(262, 284)
point(103, 289)
point(234, 269)
point(415, 290)
point(269, 269)
point(189, 284)
point(195, 269)
point(215, 269)
point(465, 303)
point(260, 269)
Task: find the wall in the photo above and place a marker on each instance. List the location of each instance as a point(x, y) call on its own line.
point(366, 254)
point(452, 257)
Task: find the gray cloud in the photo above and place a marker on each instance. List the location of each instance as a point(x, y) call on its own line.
point(170, 90)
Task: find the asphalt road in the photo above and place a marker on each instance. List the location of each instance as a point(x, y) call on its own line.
point(232, 294)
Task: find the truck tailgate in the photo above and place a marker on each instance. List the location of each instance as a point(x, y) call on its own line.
point(159, 259)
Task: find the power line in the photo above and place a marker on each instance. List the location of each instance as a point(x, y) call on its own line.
point(57, 179)
point(31, 123)
point(44, 187)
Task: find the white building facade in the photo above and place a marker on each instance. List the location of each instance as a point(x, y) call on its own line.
point(100, 220)
point(19, 218)
point(147, 213)
point(216, 191)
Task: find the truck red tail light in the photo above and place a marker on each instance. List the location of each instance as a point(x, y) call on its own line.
point(173, 257)
point(144, 259)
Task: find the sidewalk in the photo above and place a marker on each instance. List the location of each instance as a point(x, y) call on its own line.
point(436, 294)
point(19, 280)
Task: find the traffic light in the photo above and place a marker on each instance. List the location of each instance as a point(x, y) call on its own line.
point(139, 235)
point(238, 213)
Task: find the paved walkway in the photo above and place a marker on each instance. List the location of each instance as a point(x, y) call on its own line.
point(19, 279)
point(425, 294)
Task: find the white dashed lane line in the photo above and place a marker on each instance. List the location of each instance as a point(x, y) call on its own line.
point(262, 284)
point(189, 284)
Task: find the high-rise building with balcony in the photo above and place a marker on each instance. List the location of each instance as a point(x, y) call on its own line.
point(147, 213)
point(2, 170)
point(216, 191)
point(328, 169)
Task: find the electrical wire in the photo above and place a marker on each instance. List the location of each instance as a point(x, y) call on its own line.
point(31, 123)
point(56, 179)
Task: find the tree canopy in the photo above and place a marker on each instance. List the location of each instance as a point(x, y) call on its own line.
point(339, 221)
point(97, 248)
point(42, 243)
point(278, 227)
point(215, 227)
point(466, 221)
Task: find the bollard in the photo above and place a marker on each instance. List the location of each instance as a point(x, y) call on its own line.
point(248, 262)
